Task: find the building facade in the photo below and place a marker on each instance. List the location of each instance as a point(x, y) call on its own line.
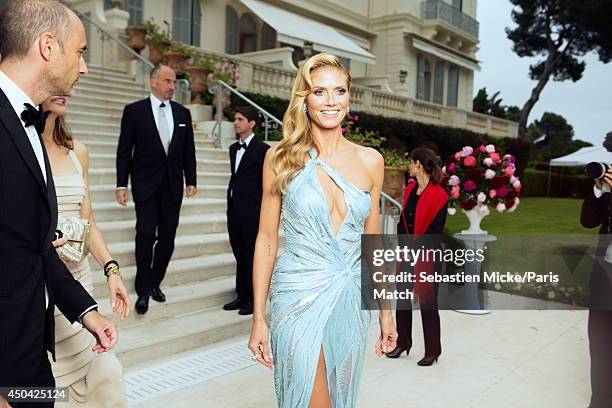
point(413, 58)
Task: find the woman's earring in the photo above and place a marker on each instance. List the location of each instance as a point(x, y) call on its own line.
point(305, 109)
point(348, 109)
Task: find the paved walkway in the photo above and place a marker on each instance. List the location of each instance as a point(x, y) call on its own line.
point(507, 359)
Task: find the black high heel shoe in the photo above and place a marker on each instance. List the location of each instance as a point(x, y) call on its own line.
point(427, 361)
point(397, 351)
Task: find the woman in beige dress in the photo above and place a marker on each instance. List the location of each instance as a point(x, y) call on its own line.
point(94, 380)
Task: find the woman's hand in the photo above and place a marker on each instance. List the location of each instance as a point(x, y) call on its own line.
point(258, 343)
point(118, 296)
point(388, 334)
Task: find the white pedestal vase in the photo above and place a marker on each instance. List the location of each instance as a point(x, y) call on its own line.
point(475, 238)
point(476, 215)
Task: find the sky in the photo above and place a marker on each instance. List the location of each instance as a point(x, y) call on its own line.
point(586, 104)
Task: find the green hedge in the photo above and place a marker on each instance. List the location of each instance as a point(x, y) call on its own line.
point(405, 135)
point(535, 184)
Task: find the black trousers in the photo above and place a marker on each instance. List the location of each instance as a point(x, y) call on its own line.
point(242, 234)
point(42, 378)
point(431, 324)
point(156, 222)
point(600, 348)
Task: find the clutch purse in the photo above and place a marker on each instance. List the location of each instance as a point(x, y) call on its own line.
point(76, 231)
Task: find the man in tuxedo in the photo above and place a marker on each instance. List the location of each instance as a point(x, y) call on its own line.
point(157, 150)
point(597, 212)
point(42, 55)
point(244, 203)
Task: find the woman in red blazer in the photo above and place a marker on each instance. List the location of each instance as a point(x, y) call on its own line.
point(424, 212)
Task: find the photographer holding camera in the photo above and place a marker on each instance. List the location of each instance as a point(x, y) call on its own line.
point(597, 211)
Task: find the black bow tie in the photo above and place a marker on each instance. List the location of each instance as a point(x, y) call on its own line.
point(242, 146)
point(33, 117)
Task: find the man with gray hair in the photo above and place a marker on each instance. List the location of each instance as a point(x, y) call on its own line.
point(42, 45)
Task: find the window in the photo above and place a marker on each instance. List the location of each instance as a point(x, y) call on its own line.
point(231, 30)
point(134, 7)
point(458, 4)
point(438, 95)
point(268, 37)
point(453, 86)
point(423, 79)
point(247, 37)
point(186, 17)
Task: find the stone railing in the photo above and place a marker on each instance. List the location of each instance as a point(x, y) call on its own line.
point(277, 81)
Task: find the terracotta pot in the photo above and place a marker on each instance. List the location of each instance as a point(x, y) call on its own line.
point(156, 52)
point(198, 83)
point(137, 38)
point(176, 61)
point(393, 183)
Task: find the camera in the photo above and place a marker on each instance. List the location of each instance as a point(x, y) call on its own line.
point(596, 170)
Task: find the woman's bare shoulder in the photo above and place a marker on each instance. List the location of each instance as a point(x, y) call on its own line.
point(371, 158)
point(80, 149)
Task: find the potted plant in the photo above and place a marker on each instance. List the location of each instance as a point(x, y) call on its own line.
point(198, 74)
point(136, 39)
point(395, 169)
point(176, 56)
point(157, 41)
point(478, 179)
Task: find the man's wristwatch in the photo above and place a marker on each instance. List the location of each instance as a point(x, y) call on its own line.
point(111, 268)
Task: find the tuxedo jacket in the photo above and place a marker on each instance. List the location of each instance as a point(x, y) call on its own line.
point(28, 261)
point(596, 212)
point(245, 184)
point(141, 154)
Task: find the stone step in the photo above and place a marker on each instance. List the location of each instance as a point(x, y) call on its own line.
point(107, 175)
point(98, 78)
point(180, 300)
point(166, 337)
point(121, 231)
point(106, 160)
point(98, 68)
point(111, 211)
point(180, 272)
point(202, 140)
point(185, 246)
point(121, 93)
point(100, 118)
point(106, 192)
point(203, 146)
point(100, 107)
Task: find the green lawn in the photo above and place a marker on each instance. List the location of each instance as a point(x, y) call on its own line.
point(546, 220)
point(535, 215)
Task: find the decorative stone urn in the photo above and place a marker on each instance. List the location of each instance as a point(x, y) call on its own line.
point(136, 39)
point(198, 83)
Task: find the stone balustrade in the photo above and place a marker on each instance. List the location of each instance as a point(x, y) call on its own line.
point(277, 81)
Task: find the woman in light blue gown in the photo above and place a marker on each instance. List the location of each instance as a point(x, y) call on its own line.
point(326, 189)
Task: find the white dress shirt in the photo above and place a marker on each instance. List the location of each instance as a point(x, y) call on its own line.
point(17, 98)
point(240, 152)
point(155, 103)
point(599, 192)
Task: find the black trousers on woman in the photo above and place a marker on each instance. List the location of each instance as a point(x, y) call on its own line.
point(431, 326)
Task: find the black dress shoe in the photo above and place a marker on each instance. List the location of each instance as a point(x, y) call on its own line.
point(427, 361)
point(142, 304)
point(246, 309)
point(397, 351)
point(233, 305)
point(158, 295)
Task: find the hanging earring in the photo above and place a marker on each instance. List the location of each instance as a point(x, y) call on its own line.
point(305, 109)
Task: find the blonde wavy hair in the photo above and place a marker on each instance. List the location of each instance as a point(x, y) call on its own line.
point(297, 140)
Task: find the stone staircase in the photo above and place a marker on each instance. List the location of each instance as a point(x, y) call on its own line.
point(200, 277)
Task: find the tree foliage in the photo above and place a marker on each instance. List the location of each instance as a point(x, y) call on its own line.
point(559, 33)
